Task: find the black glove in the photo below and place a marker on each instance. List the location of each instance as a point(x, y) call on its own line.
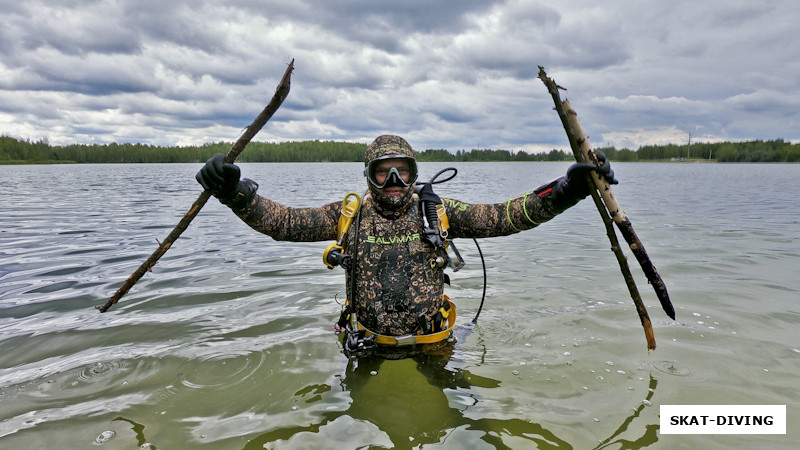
point(574, 187)
point(222, 179)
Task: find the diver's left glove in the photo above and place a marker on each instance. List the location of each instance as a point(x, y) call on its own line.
point(222, 179)
point(569, 190)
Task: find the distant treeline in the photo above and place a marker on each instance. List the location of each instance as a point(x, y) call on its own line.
point(776, 150)
point(14, 150)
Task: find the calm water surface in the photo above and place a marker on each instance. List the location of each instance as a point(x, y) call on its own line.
point(227, 343)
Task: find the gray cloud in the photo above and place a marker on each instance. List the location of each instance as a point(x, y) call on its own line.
point(443, 76)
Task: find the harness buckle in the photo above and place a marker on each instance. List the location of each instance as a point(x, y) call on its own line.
point(408, 339)
point(357, 342)
point(455, 263)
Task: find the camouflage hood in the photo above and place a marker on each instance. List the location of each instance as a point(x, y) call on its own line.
point(387, 145)
point(383, 147)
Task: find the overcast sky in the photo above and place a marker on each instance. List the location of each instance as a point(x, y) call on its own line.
point(442, 74)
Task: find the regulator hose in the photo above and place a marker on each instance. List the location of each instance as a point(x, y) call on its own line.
point(434, 216)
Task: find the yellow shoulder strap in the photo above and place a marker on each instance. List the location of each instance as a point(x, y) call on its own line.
point(349, 211)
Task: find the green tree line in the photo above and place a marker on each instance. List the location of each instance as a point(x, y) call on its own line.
point(492, 155)
point(14, 150)
point(751, 151)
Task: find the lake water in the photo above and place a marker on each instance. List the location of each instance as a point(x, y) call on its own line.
point(226, 344)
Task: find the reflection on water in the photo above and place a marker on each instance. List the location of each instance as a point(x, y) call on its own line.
point(226, 343)
point(413, 402)
point(407, 399)
point(649, 436)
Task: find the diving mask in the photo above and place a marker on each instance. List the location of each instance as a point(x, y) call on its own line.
point(401, 171)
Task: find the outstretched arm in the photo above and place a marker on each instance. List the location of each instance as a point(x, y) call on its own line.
point(526, 211)
point(282, 223)
point(498, 219)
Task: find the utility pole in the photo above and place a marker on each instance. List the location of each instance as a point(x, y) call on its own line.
point(689, 148)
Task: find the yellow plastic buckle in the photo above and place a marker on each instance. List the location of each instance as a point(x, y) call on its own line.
point(444, 223)
point(408, 339)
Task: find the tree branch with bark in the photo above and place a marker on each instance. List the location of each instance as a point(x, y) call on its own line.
point(277, 99)
point(611, 213)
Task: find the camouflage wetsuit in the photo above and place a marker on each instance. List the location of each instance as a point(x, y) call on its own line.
point(395, 279)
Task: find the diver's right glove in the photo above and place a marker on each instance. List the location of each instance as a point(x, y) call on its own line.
point(222, 179)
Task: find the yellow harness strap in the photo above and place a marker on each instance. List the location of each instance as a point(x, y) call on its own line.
point(349, 210)
point(414, 339)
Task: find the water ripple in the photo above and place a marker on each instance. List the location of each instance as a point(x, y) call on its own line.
point(218, 369)
point(100, 370)
point(675, 368)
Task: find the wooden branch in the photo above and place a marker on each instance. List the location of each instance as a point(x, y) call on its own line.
point(609, 211)
point(277, 99)
point(644, 318)
point(618, 215)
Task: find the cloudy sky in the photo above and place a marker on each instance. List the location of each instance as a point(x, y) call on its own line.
point(443, 74)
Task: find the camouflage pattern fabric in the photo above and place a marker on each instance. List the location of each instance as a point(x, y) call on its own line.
point(396, 284)
point(387, 146)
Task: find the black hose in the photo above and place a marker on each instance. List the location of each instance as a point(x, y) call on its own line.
point(483, 261)
point(483, 297)
point(433, 178)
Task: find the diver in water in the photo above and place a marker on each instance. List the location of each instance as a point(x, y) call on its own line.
point(396, 251)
